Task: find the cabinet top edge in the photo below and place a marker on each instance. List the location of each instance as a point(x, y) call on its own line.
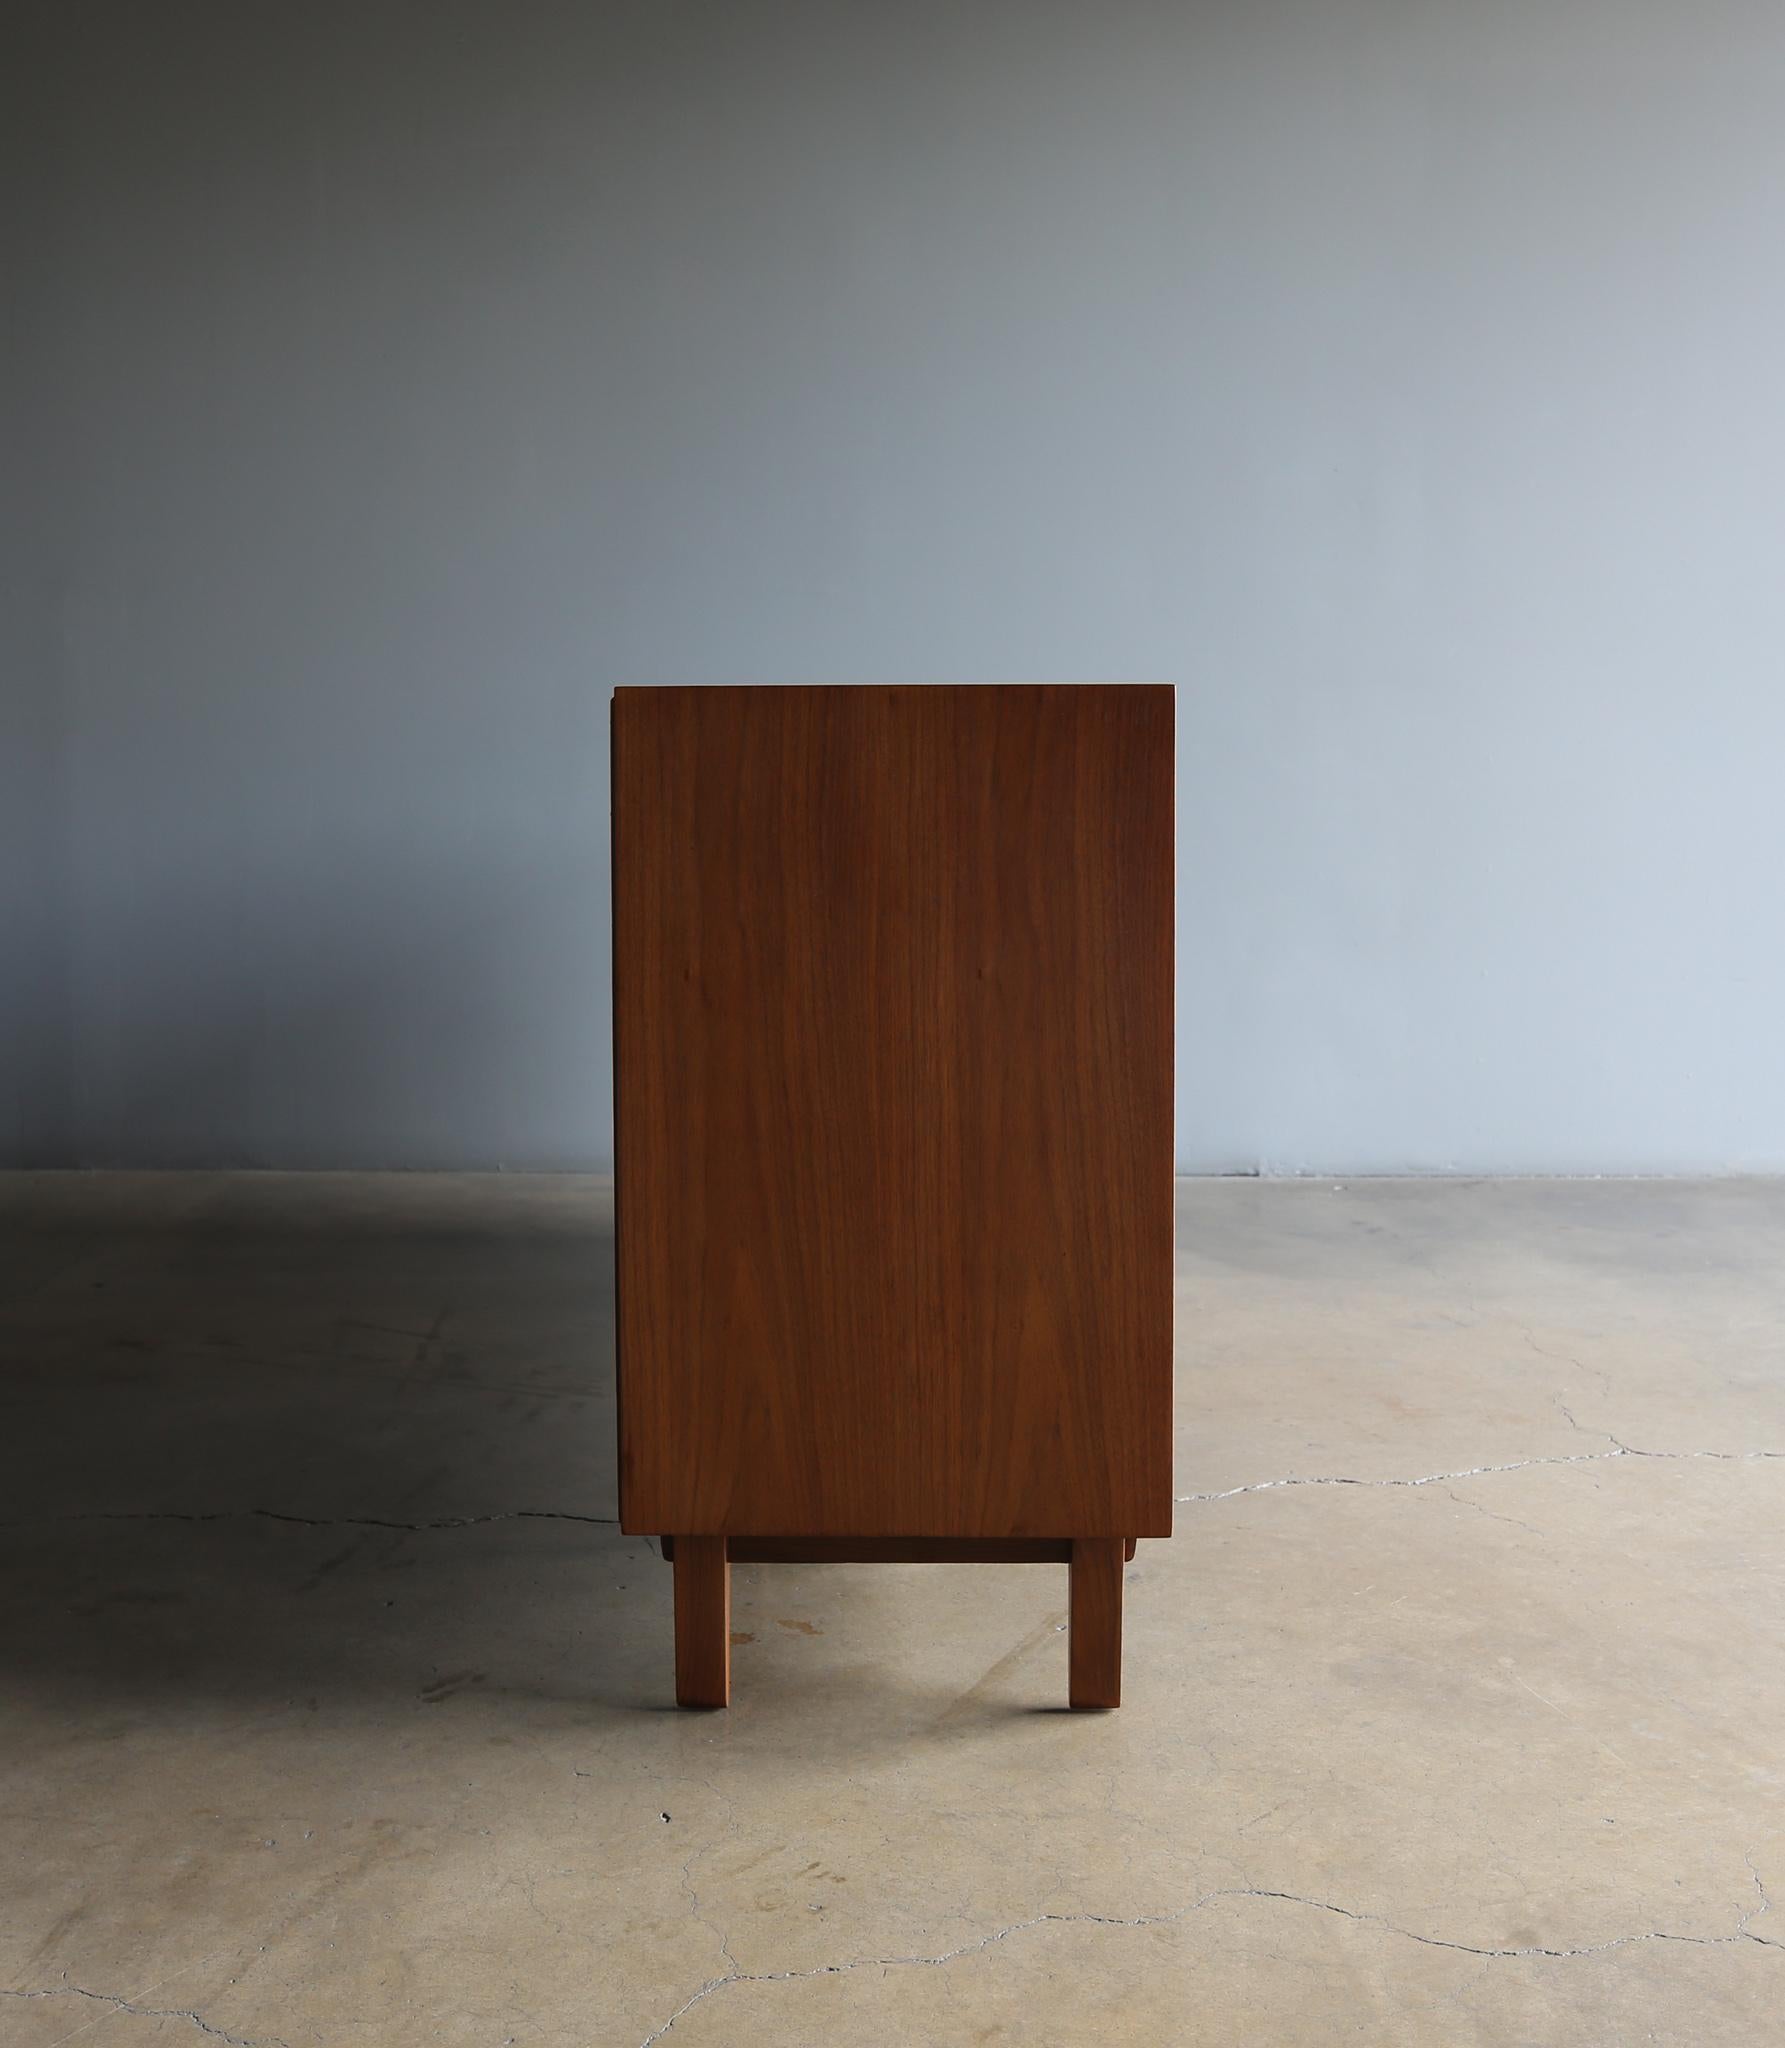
point(884, 689)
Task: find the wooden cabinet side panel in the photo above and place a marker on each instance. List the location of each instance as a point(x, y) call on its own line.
point(893, 1050)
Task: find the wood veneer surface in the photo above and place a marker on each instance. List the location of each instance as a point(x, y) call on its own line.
point(893, 974)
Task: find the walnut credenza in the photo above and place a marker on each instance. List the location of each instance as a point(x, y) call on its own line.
point(893, 1039)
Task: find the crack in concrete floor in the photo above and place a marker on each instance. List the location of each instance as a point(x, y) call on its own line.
point(1619, 1450)
point(152, 2012)
point(1741, 1933)
point(1180, 1913)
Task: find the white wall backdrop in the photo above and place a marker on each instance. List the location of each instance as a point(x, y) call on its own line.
point(1403, 379)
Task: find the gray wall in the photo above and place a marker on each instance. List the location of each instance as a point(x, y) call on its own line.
point(1401, 378)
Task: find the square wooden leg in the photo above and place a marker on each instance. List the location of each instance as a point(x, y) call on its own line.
point(1095, 1638)
point(703, 1622)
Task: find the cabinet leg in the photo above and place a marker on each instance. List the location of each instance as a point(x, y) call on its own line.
point(703, 1622)
point(1095, 1638)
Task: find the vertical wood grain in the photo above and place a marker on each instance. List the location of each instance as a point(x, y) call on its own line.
point(1094, 1626)
point(893, 1048)
point(703, 1622)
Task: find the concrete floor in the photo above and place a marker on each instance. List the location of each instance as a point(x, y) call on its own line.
point(333, 1710)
